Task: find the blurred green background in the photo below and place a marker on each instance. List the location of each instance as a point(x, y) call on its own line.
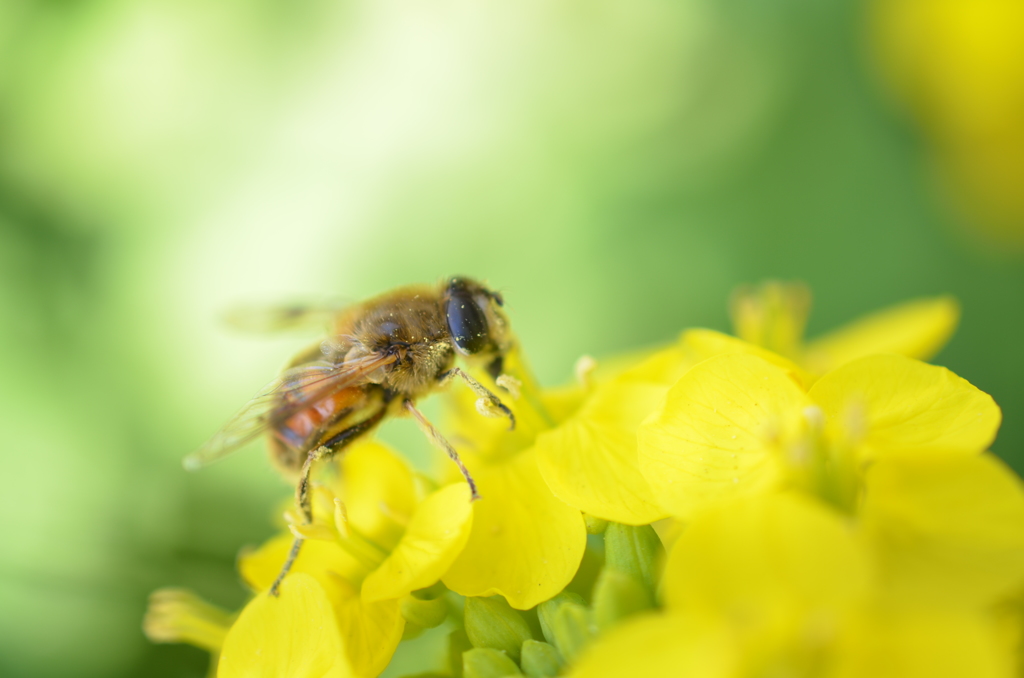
point(614, 167)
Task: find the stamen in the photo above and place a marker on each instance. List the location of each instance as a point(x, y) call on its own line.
point(363, 549)
point(316, 531)
point(322, 502)
point(392, 515)
point(341, 518)
point(773, 315)
point(584, 371)
point(180, 616)
point(815, 417)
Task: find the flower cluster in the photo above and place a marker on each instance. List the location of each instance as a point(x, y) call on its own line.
point(722, 506)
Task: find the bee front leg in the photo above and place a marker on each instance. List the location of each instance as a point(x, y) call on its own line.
point(487, 403)
point(439, 440)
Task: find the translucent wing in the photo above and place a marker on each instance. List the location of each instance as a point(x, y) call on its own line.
point(270, 318)
point(295, 390)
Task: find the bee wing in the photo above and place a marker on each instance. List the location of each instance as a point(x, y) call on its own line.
point(271, 318)
point(289, 394)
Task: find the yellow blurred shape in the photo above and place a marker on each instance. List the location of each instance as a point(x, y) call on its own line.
point(959, 66)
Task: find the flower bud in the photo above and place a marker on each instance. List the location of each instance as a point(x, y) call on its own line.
point(492, 623)
point(540, 660)
point(458, 643)
point(180, 616)
point(633, 551)
point(595, 525)
point(546, 612)
point(424, 613)
point(573, 629)
point(618, 595)
point(485, 662)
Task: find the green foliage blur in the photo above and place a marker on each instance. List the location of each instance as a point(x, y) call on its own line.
point(614, 167)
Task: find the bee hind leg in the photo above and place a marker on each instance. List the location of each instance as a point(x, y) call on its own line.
point(326, 450)
point(431, 432)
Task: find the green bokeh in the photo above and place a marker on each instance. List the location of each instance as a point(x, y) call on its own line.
point(615, 168)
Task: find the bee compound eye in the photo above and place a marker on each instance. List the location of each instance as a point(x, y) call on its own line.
point(467, 322)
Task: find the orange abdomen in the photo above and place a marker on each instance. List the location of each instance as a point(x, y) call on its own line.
point(296, 431)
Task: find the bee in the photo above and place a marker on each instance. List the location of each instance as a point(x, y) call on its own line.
point(379, 358)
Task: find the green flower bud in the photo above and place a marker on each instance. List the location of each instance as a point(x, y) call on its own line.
point(485, 662)
point(458, 643)
point(595, 525)
point(573, 629)
point(634, 551)
point(424, 613)
point(546, 612)
point(540, 660)
point(492, 623)
point(617, 595)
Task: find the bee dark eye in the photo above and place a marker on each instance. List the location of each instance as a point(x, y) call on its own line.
point(466, 321)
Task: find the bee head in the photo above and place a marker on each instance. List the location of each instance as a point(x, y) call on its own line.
point(475, 321)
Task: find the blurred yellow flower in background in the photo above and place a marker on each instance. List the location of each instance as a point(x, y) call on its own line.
point(958, 65)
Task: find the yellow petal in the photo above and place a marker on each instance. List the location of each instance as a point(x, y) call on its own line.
point(525, 544)
point(662, 367)
point(434, 538)
point(916, 329)
point(659, 645)
point(294, 635)
point(590, 461)
point(702, 344)
point(758, 555)
point(716, 435)
point(932, 644)
point(948, 529)
point(370, 631)
point(903, 404)
point(317, 558)
point(379, 492)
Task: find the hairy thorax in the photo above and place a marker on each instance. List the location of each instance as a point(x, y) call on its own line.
point(409, 323)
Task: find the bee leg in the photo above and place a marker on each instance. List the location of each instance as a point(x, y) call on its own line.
point(326, 450)
point(435, 437)
point(302, 499)
point(487, 404)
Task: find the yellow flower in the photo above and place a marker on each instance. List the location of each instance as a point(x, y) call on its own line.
point(372, 542)
point(525, 544)
point(773, 315)
point(947, 528)
point(780, 585)
point(892, 440)
point(737, 424)
point(293, 635)
point(839, 524)
point(590, 460)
